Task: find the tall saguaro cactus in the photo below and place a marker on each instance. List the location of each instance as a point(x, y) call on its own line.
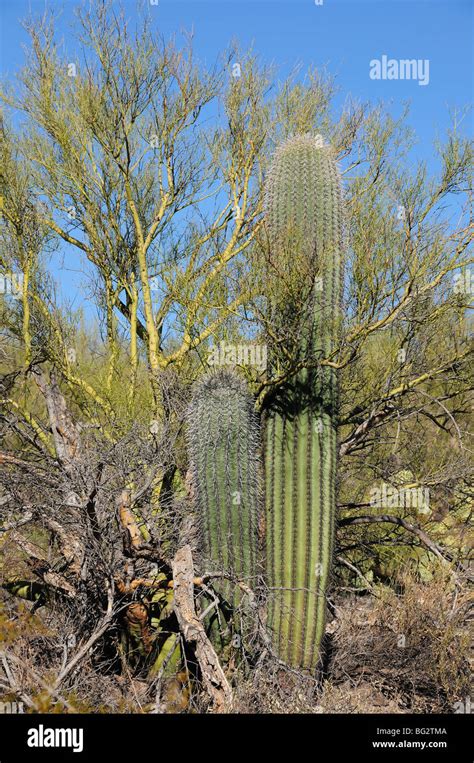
point(304, 217)
point(223, 439)
point(304, 222)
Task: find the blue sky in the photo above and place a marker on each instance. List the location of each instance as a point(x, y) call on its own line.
point(342, 35)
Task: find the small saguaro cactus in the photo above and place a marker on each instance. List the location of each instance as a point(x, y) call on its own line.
point(223, 443)
point(304, 216)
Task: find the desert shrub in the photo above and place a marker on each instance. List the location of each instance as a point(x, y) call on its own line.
point(411, 643)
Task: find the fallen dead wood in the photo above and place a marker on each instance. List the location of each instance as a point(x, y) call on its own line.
point(214, 679)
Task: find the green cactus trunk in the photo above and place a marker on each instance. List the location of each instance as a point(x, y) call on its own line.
point(304, 219)
point(223, 440)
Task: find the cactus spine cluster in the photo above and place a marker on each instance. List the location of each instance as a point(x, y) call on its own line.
point(304, 212)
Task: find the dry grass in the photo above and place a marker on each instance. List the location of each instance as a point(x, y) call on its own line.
point(395, 650)
point(392, 651)
point(411, 648)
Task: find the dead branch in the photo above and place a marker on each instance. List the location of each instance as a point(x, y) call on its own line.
point(71, 547)
point(84, 650)
point(356, 570)
point(441, 553)
point(49, 576)
point(128, 520)
point(17, 523)
point(214, 678)
point(30, 548)
point(65, 433)
point(32, 673)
